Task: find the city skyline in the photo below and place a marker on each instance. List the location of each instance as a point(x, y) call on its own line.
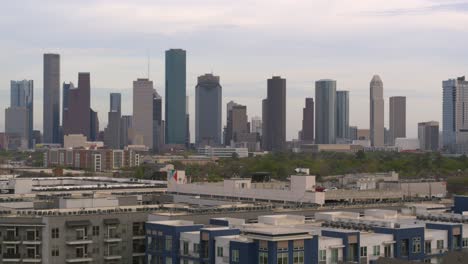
point(407, 68)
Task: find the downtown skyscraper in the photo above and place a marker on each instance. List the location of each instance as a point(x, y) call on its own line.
point(325, 112)
point(342, 115)
point(51, 104)
point(397, 125)
point(77, 117)
point(113, 131)
point(208, 110)
point(274, 115)
point(143, 97)
point(176, 117)
point(376, 112)
point(455, 115)
point(308, 121)
point(19, 116)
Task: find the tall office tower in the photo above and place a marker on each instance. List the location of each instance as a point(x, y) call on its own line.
point(116, 102)
point(94, 133)
point(208, 110)
point(397, 118)
point(342, 114)
point(237, 124)
point(455, 115)
point(428, 135)
point(16, 125)
point(126, 124)
point(143, 94)
point(187, 123)
point(22, 96)
point(264, 123)
point(66, 87)
point(51, 104)
point(376, 112)
point(275, 112)
point(256, 125)
point(158, 132)
point(353, 132)
point(307, 134)
point(176, 117)
point(112, 133)
point(228, 137)
point(325, 112)
point(77, 118)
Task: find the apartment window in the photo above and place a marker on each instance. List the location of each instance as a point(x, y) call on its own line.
point(219, 251)
point(168, 260)
point(81, 234)
point(440, 244)
point(31, 252)
point(185, 261)
point(364, 252)
point(196, 247)
point(376, 251)
point(427, 246)
point(282, 258)
point(185, 248)
point(263, 257)
point(465, 242)
point(322, 255)
point(263, 245)
point(168, 245)
point(404, 247)
point(55, 252)
point(388, 251)
point(81, 252)
point(95, 230)
point(298, 257)
point(456, 242)
point(298, 244)
point(55, 233)
point(334, 255)
point(235, 255)
point(416, 245)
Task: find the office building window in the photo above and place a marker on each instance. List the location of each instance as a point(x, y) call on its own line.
point(376, 250)
point(235, 255)
point(416, 245)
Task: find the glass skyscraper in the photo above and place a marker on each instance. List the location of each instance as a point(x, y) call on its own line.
point(176, 123)
point(325, 112)
point(342, 114)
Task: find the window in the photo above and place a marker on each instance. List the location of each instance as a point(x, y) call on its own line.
point(364, 252)
point(263, 245)
point(55, 233)
point(298, 257)
point(168, 245)
point(456, 242)
point(376, 251)
point(185, 261)
point(196, 247)
point(219, 251)
point(334, 255)
point(298, 244)
point(235, 255)
point(81, 234)
point(388, 251)
point(55, 252)
point(440, 244)
point(95, 230)
point(168, 260)
point(428, 246)
point(282, 258)
point(263, 258)
point(416, 245)
point(404, 247)
point(465, 242)
point(323, 255)
point(185, 248)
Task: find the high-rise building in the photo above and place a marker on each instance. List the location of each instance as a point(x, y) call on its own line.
point(455, 115)
point(353, 133)
point(428, 135)
point(66, 87)
point(274, 115)
point(325, 112)
point(115, 102)
point(158, 128)
point(187, 123)
point(342, 114)
point(112, 133)
point(228, 137)
point(256, 125)
point(126, 124)
point(16, 125)
point(377, 136)
point(77, 118)
point(94, 133)
point(307, 134)
point(208, 110)
point(237, 123)
point(176, 117)
point(397, 118)
point(22, 96)
point(143, 94)
point(51, 104)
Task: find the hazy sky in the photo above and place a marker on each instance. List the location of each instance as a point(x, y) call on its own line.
point(412, 44)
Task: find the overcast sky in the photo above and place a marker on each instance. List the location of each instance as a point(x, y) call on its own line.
point(412, 44)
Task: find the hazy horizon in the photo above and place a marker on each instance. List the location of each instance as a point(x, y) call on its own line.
point(413, 45)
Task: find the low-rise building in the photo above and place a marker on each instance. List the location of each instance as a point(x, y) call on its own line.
point(223, 152)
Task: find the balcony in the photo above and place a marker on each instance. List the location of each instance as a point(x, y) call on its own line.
point(11, 257)
point(32, 259)
point(79, 258)
point(111, 238)
point(74, 240)
point(12, 240)
point(29, 240)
